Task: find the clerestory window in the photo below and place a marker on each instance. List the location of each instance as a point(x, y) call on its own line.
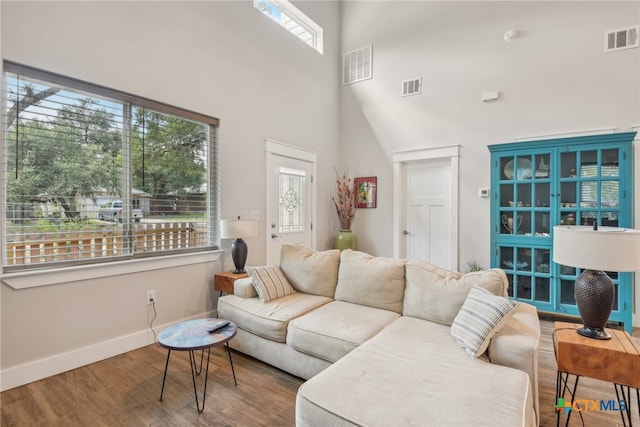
point(293, 20)
point(91, 174)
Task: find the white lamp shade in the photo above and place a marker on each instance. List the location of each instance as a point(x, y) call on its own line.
point(238, 229)
point(605, 249)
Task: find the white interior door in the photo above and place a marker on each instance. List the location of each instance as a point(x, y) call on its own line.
point(428, 219)
point(290, 200)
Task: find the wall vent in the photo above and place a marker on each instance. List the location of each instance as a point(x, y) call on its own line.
point(357, 65)
point(623, 38)
point(412, 86)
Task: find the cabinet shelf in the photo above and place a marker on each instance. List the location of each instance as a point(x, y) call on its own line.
point(540, 184)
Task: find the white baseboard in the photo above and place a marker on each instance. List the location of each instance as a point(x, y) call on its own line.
point(53, 365)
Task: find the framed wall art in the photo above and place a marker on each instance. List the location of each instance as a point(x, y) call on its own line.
point(366, 191)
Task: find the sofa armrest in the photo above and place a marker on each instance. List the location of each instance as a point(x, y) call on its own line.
point(244, 288)
point(516, 345)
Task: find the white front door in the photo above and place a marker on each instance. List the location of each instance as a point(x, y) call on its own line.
point(290, 199)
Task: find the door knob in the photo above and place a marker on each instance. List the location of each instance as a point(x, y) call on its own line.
point(405, 232)
point(275, 236)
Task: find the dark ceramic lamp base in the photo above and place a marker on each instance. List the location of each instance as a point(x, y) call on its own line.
point(594, 293)
point(239, 255)
point(596, 333)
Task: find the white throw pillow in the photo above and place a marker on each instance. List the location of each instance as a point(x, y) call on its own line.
point(481, 316)
point(269, 282)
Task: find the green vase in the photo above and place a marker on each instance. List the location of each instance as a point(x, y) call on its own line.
point(345, 239)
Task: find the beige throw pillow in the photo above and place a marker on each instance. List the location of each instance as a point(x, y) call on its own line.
point(481, 316)
point(269, 282)
point(435, 294)
point(310, 271)
point(374, 281)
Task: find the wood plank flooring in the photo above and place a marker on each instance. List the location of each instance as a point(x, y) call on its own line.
point(125, 390)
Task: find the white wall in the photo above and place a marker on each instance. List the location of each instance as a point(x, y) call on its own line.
point(224, 59)
point(553, 78)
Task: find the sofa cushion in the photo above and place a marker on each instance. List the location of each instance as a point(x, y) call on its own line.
point(374, 281)
point(309, 271)
point(481, 316)
point(267, 319)
point(269, 282)
point(440, 385)
point(244, 288)
point(435, 294)
point(331, 331)
point(517, 345)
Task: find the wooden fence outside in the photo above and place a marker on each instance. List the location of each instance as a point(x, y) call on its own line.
point(153, 237)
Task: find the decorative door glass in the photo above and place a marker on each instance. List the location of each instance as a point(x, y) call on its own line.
point(291, 200)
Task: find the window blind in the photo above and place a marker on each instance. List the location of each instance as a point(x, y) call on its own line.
point(92, 174)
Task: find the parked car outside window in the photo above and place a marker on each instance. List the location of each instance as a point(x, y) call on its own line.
point(112, 211)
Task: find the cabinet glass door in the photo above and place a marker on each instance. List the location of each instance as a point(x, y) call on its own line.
point(525, 195)
point(590, 188)
point(528, 272)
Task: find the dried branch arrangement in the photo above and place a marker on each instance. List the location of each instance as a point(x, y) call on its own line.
point(344, 200)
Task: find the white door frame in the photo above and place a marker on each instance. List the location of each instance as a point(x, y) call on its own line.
point(275, 148)
point(401, 159)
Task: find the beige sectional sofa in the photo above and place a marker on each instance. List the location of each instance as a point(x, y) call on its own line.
point(373, 337)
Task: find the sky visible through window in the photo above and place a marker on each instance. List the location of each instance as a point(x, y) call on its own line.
point(292, 19)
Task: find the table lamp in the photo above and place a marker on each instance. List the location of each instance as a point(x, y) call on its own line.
point(596, 250)
point(238, 229)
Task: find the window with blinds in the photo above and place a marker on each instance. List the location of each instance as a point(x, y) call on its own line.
point(92, 174)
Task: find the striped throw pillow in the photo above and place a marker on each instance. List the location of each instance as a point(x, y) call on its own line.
point(481, 316)
point(269, 282)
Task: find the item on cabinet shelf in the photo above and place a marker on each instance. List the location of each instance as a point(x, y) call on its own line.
point(523, 169)
point(596, 250)
point(508, 223)
point(520, 265)
point(543, 169)
point(238, 230)
point(566, 270)
point(542, 268)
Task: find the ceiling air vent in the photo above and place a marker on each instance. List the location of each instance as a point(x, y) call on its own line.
point(357, 65)
point(412, 87)
point(623, 38)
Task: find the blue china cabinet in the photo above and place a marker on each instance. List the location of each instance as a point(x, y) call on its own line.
point(536, 185)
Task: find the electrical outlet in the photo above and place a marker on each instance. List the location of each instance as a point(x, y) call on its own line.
point(151, 297)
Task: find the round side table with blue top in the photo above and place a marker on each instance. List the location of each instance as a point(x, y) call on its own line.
point(193, 335)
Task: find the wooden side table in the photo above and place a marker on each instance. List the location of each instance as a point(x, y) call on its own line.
point(616, 360)
point(223, 282)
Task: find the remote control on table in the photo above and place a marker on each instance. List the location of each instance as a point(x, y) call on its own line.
point(218, 325)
